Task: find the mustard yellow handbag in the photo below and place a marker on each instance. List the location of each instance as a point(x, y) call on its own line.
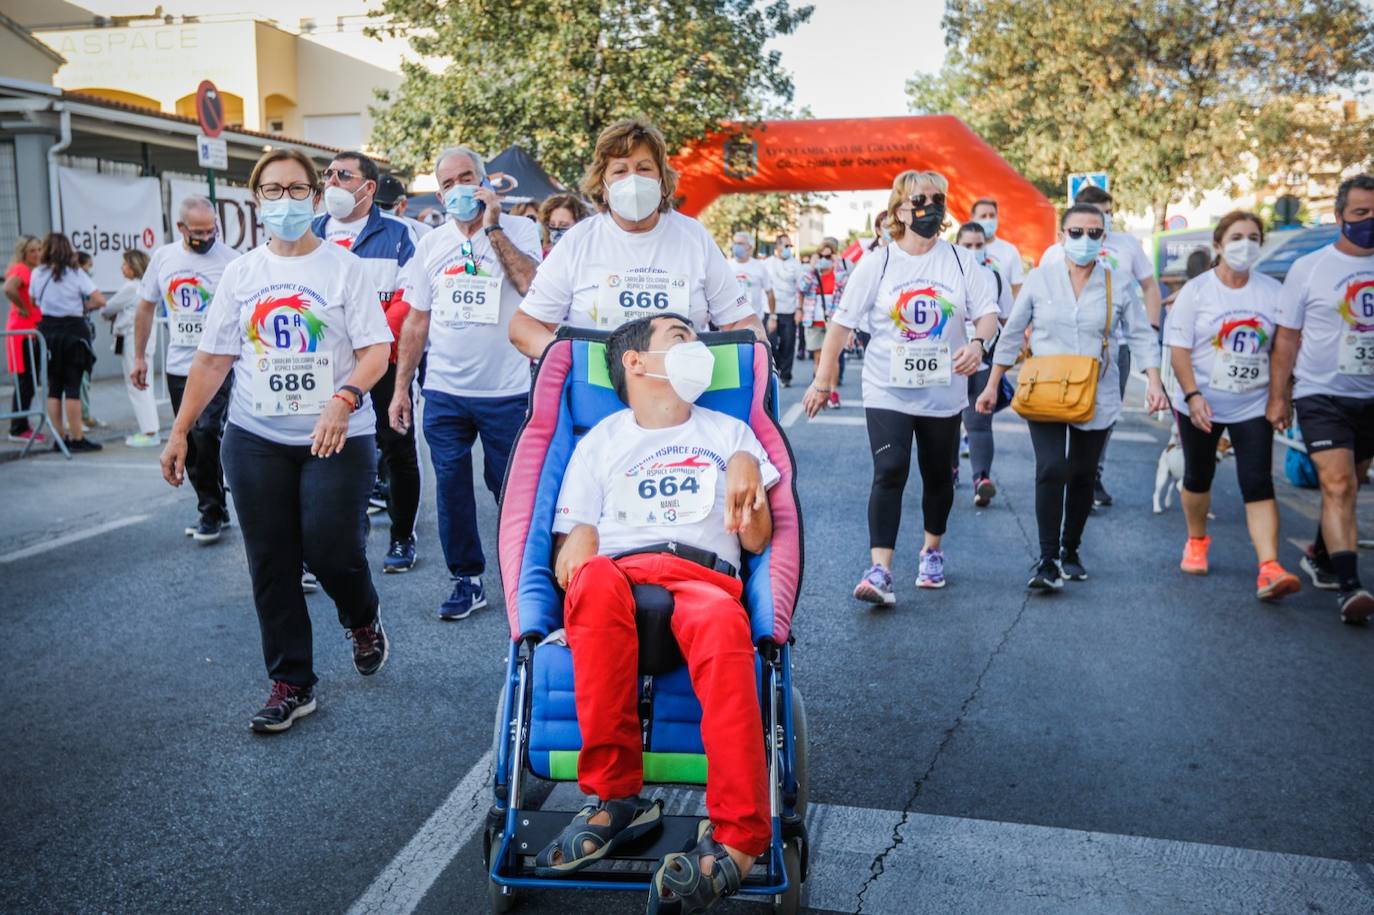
point(1063, 389)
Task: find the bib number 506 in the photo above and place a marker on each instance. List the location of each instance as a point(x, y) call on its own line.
point(644, 299)
point(291, 381)
point(920, 363)
point(667, 487)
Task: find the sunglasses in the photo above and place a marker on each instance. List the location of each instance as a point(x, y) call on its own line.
point(469, 264)
point(1094, 233)
point(342, 174)
point(921, 201)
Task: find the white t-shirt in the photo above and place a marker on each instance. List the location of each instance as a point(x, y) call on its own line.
point(916, 307)
point(343, 234)
point(1329, 296)
point(64, 298)
point(754, 280)
point(185, 283)
point(641, 486)
point(472, 357)
point(1008, 261)
point(784, 275)
point(1230, 333)
point(674, 267)
point(313, 311)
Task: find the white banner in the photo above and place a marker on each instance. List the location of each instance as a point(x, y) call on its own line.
point(238, 211)
point(106, 215)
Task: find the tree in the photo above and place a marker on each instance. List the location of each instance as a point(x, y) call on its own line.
point(550, 74)
point(764, 216)
point(1169, 96)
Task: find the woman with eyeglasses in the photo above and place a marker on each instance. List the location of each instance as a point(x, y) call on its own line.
point(637, 257)
point(1219, 334)
point(298, 324)
point(916, 296)
point(1066, 304)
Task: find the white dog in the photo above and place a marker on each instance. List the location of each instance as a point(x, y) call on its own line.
point(1169, 470)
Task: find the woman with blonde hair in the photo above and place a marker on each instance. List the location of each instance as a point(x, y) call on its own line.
point(915, 295)
point(121, 309)
point(21, 352)
point(638, 257)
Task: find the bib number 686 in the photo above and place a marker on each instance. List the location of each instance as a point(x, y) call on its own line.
point(291, 381)
point(667, 486)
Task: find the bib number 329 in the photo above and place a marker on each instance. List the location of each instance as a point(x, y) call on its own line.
point(1237, 373)
point(292, 384)
point(919, 365)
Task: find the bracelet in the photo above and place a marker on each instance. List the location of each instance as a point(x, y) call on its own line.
point(1190, 395)
point(822, 390)
point(352, 405)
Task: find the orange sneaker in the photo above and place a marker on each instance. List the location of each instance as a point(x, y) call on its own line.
point(1195, 555)
point(1275, 582)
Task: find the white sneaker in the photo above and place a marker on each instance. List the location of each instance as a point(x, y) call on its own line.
point(143, 440)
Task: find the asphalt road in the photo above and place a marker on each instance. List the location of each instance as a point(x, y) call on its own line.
point(1143, 741)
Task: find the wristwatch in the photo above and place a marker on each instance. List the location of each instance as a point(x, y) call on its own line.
point(357, 395)
point(487, 230)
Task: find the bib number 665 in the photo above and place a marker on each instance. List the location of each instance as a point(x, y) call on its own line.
point(291, 381)
point(469, 297)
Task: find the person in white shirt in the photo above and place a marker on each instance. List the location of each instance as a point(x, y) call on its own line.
point(1219, 334)
point(1002, 252)
point(64, 293)
point(981, 447)
point(637, 257)
point(1122, 254)
point(752, 275)
point(917, 295)
point(297, 322)
point(120, 310)
point(464, 285)
point(1326, 340)
point(183, 276)
point(663, 493)
point(784, 272)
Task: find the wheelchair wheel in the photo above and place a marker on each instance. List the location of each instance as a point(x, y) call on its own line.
point(789, 903)
point(800, 741)
point(503, 898)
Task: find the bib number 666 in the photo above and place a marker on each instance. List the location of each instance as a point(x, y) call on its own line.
point(644, 299)
point(667, 486)
point(305, 381)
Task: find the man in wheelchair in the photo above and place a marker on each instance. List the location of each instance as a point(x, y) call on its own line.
point(664, 493)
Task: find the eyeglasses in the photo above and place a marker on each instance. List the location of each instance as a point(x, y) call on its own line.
point(342, 174)
point(469, 265)
point(298, 191)
point(1095, 233)
point(201, 234)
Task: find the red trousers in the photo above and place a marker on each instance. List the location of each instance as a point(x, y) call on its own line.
point(712, 629)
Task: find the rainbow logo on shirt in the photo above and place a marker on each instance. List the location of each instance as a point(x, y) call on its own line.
point(1245, 335)
point(285, 324)
point(186, 293)
point(1357, 308)
point(921, 314)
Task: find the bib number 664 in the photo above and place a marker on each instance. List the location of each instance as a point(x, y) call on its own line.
point(644, 299)
point(667, 487)
point(305, 381)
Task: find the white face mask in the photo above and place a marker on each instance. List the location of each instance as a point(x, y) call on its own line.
point(634, 197)
point(1240, 255)
point(339, 202)
point(689, 367)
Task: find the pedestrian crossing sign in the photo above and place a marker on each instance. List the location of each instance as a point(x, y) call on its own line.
point(1083, 179)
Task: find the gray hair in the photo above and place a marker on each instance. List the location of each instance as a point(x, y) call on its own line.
point(191, 203)
point(748, 239)
point(478, 164)
point(1360, 182)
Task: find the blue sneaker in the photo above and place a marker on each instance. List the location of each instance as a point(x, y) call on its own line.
point(932, 572)
point(401, 556)
point(876, 586)
point(467, 596)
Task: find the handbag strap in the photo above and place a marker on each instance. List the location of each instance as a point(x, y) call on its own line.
point(1107, 329)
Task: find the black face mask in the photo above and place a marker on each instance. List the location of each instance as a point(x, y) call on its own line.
point(926, 223)
point(200, 245)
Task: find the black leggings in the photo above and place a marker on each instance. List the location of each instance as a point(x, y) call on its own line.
point(69, 355)
point(890, 434)
point(1063, 482)
point(399, 465)
point(1251, 439)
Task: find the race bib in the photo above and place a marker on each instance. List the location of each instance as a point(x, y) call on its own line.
point(465, 299)
point(1237, 373)
point(1356, 355)
point(184, 328)
point(919, 365)
point(665, 495)
point(291, 384)
point(627, 296)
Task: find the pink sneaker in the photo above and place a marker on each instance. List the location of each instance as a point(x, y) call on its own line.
point(36, 437)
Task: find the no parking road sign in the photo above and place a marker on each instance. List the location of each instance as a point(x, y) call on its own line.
point(209, 108)
point(1083, 179)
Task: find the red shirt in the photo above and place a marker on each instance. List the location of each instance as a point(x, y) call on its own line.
point(14, 348)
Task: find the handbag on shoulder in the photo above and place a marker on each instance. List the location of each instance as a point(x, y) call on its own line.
point(1063, 389)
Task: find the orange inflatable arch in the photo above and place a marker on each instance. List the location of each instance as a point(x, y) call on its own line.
point(855, 154)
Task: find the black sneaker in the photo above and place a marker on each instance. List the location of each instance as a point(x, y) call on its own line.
point(78, 445)
point(401, 556)
point(284, 705)
point(1101, 498)
point(309, 583)
point(1046, 576)
point(208, 530)
point(1320, 573)
point(1072, 565)
point(370, 647)
point(1356, 606)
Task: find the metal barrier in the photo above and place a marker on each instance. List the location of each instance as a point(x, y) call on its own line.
point(35, 356)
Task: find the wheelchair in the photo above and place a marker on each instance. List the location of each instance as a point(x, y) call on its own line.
point(536, 728)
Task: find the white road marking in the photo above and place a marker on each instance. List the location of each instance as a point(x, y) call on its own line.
point(97, 465)
point(1118, 435)
point(828, 419)
point(793, 413)
point(74, 537)
point(403, 883)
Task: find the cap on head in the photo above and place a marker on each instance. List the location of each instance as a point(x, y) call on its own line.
point(389, 191)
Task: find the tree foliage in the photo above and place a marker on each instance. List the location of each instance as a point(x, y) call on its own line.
point(764, 216)
point(1169, 96)
point(550, 74)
